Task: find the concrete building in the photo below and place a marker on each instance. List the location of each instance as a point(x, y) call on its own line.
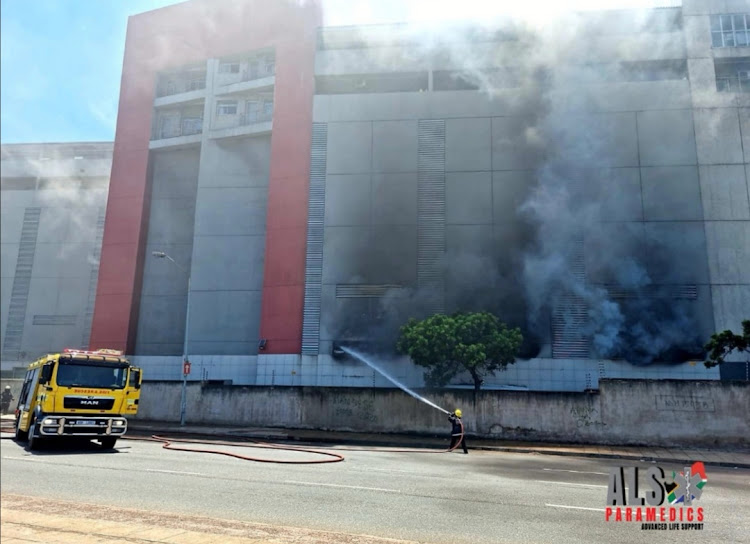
point(53, 206)
point(588, 182)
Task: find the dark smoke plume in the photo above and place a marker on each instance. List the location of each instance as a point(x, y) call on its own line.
point(566, 249)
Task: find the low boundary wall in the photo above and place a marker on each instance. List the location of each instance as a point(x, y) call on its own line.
point(634, 412)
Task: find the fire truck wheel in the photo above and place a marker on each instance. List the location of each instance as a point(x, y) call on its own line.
point(108, 443)
point(21, 436)
point(35, 441)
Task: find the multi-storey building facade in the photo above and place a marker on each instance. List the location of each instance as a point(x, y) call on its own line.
point(53, 206)
point(587, 181)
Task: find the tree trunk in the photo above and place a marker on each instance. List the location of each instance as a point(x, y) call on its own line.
point(477, 380)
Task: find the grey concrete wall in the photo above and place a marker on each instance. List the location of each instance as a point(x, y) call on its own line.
point(69, 184)
point(636, 412)
point(228, 246)
point(641, 165)
point(722, 133)
point(174, 185)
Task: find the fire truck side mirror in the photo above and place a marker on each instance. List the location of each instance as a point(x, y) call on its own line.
point(135, 378)
point(46, 375)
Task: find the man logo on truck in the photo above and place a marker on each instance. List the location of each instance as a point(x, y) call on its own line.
point(48, 406)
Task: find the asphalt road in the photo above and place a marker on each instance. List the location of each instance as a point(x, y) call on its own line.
point(483, 497)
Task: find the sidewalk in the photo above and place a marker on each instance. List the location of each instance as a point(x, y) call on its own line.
point(715, 457)
point(45, 521)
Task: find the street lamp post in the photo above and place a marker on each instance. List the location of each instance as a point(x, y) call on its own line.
point(183, 398)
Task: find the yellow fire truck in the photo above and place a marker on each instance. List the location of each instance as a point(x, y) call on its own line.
point(86, 394)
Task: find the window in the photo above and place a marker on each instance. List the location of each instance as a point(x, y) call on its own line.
point(257, 111)
point(88, 375)
point(192, 125)
point(732, 75)
point(169, 126)
point(229, 68)
point(226, 107)
point(730, 30)
point(196, 84)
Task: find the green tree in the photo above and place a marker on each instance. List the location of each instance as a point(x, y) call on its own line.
point(445, 345)
point(723, 343)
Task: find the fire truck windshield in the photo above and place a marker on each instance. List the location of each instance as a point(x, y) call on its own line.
point(88, 375)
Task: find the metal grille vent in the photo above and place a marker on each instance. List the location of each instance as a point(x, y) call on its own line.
point(431, 210)
point(19, 295)
point(54, 320)
point(314, 258)
point(570, 315)
point(344, 290)
point(689, 292)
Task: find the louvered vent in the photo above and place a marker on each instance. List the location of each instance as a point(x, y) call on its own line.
point(689, 292)
point(19, 295)
point(54, 320)
point(431, 211)
point(314, 262)
point(344, 290)
point(570, 314)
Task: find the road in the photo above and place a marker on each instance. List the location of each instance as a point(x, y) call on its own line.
point(483, 497)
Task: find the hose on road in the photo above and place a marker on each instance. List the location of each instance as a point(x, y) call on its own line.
point(8, 426)
point(334, 457)
point(168, 441)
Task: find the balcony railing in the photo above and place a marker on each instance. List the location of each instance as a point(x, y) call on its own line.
point(188, 127)
point(253, 118)
point(177, 86)
point(254, 72)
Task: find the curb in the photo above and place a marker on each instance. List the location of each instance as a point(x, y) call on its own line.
point(388, 444)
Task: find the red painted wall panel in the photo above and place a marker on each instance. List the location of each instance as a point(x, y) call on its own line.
point(193, 32)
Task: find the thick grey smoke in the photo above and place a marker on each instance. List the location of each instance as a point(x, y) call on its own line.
point(568, 248)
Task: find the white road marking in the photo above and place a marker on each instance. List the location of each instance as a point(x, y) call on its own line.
point(48, 462)
point(174, 472)
point(570, 483)
point(316, 484)
point(575, 507)
point(575, 471)
point(28, 459)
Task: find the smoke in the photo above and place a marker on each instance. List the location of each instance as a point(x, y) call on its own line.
point(71, 203)
point(573, 251)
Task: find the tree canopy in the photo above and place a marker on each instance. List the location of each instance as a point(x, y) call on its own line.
point(446, 345)
point(723, 343)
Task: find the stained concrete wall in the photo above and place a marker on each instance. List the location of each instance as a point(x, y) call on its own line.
point(68, 185)
point(640, 163)
point(637, 412)
point(229, 246)
point(722, 133)
point(161, 322)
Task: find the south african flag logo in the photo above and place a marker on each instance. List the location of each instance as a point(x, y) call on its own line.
point(688, 485)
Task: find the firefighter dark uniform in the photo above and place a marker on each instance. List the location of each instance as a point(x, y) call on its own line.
point(6, 397)
point(457, 432)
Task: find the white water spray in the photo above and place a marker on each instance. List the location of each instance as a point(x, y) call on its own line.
point(391, 378)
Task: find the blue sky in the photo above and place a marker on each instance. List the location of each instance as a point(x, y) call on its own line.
point(61, 60)
point(60, 64)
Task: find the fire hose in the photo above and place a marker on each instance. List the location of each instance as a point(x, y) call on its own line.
point(168, 441)
point(8, 426)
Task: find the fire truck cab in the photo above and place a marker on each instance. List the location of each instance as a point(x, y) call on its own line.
point(86, 394)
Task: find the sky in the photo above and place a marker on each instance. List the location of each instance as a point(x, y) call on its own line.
point(61, 60)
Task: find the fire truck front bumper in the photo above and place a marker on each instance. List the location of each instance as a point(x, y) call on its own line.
point(83, 426)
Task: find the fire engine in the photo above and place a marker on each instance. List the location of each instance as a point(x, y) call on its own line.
point(76, 393)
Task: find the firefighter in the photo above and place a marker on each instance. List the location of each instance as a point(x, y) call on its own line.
point(457, 433)
point(5, 399)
